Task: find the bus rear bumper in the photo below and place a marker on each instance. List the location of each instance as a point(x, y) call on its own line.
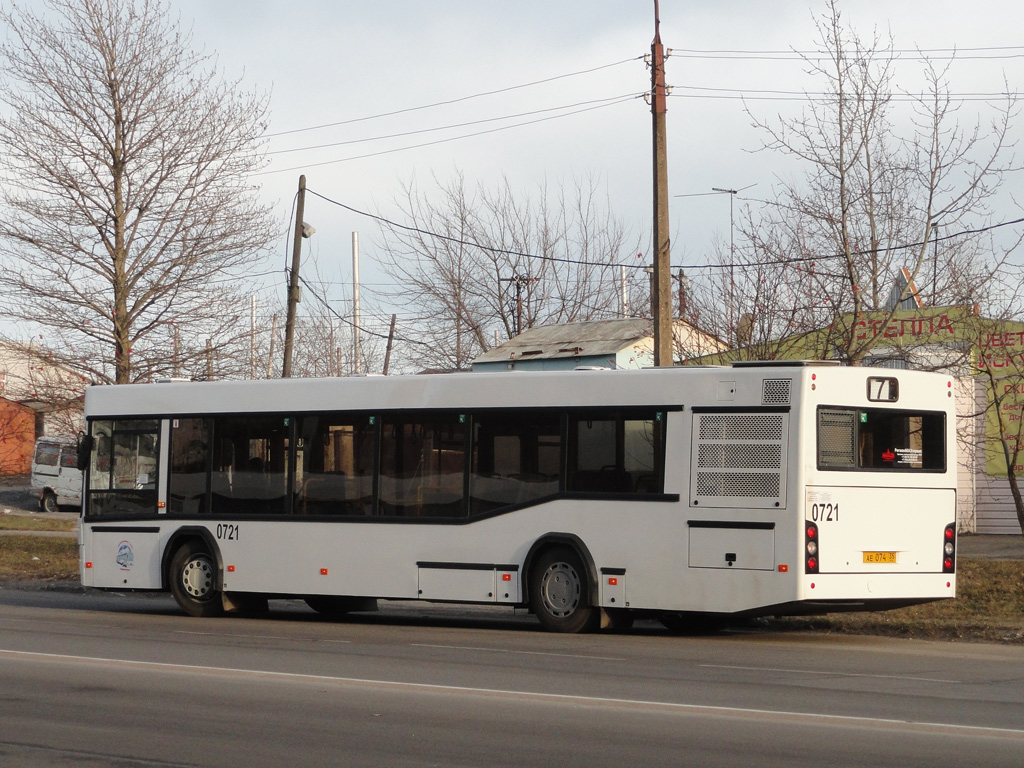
point(878, 588)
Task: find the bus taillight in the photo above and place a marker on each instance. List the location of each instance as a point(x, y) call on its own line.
point(811, 548)
point(949, 549)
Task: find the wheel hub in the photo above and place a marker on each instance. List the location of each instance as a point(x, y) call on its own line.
point(560, 589)
point(197, 578)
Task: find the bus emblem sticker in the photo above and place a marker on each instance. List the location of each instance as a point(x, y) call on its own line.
point(125, 556)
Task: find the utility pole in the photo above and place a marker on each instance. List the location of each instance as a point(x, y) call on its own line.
point(661, 298)
point(177, 350)
point(684, 284)
point(252, 338)
point(270, 354)
point(391, 341)
point(520, 281)
point(732, 266)
point(293, 281)
point(355, 303)
point(625, 291)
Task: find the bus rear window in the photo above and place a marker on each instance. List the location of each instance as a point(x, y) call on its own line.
point(881, 439)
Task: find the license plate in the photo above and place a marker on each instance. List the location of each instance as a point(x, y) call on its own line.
point(880, 557)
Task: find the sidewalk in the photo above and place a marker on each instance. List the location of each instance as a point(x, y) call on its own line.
point(18, 497)
point(991, 546)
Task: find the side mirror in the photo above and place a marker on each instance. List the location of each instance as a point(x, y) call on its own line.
point(85, 444)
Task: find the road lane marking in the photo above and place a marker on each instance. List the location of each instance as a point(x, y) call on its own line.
point(698, 710)
point(833, 674)
point(524, 653)
point(252, 637)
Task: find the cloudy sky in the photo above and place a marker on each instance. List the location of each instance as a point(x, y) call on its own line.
point(350, 65)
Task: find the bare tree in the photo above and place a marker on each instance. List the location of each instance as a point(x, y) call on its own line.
point(825, 252)
point(485, 266)
point(129, 216)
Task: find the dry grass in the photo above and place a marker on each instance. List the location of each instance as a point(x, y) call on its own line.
point(24, 523)
point(38, 558)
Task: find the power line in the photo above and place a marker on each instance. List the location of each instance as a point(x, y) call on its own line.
point(907, 54)
point(444, 141)
point(458, 241)
point(776, 95)
point(621, 97)
point(564, 260)
point(453, 101)
point(348, 322)
point(865, 252)
point(742, 96)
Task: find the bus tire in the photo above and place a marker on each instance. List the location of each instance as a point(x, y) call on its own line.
point(48, 502)
point(560, 592)
point(193, 579)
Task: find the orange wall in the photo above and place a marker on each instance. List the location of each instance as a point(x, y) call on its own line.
point(17, 437)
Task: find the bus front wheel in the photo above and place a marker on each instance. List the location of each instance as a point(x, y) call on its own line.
point(560, 592)
point(193, 577)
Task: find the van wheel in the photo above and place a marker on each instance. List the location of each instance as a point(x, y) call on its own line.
point(560, 593)
point(48, 503)
point(193, 577)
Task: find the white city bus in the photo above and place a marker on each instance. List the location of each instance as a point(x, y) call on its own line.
point(588, 497)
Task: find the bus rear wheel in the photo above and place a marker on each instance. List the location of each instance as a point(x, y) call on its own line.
point(560, 592)
point(193, 577)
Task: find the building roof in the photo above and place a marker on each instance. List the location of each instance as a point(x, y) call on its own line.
point(598, 337)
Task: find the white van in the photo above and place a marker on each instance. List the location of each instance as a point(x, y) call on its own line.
point(55, 473)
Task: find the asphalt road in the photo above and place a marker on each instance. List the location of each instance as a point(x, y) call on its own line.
point(105, 679)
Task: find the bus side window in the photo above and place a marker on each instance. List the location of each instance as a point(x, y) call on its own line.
point(334, 465)
point(615, 452)
point(189, 461)
point(515, 459)
point(422, 466)
point(250, 473)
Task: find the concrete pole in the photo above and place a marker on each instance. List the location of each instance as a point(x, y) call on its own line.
point(356, 363)
point(293, 281)
point(661, 299)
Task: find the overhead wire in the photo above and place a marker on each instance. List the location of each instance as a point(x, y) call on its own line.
point(905, 54)
point(622, 97)
point(348, 322)
point(619, 100)
point(740, 265)
point(453, 101)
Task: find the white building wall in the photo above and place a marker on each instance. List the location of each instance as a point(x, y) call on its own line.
point(994, 508)
point(969, 426)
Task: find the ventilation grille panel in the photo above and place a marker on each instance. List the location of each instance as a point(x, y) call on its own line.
point(739, 456)
point(740, 426)
point(734, 484)
point(739, 460)
point(775, 391)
